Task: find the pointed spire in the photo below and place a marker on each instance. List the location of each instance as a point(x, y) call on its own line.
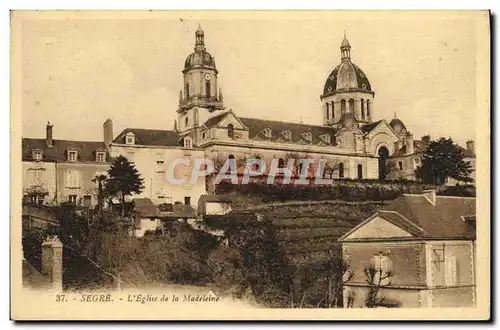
point(199, 37)
point(345, 48)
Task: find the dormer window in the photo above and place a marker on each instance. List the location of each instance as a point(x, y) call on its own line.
point(130, 138)
point(267, 132)
point(72, 155)
point(307, 136)
point(100, 156)
point(287, 134)
point(326, 138)
point(37, 154)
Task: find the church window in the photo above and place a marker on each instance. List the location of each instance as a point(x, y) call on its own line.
point(351, 106)
point(362, 109)
point(231, 157)
point(186, 121)
point(360, 171)
point(368, 109)
point(187, 90)
point(327, 111)
point(207, 88)
point(333, 110)
point(400, 164)
point(341, 170)
point(203, 135)
point(230, 131)
point(342, 106)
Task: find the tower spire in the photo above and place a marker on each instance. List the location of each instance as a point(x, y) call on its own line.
point(200, 40)
point(345, 48)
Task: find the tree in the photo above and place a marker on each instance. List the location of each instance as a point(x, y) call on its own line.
point(101, 180)
point(124, 180)
point(376, 279)
point(443, 159)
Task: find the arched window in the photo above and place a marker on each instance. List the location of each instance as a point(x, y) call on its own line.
point(327, 111)
point(230, 131)
point(231, 157)
point(362, 109)
point(207, 88)
point(188, 143)
point(281, 163)
point(333, 110)
point(187, 90)
point(299, 173)
point(186, 121)
point(351, 106)
point(342, 107)
point(341, 170)
point(360, 171)
point(368, 109)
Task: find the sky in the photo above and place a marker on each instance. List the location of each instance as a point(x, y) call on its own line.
point(76, 71)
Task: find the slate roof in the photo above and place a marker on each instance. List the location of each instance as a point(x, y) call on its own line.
point(214, 198)
point(147, 209)
point(370, 127)
point(443, 220)
point(420, 146)
point(257, 127)
point(86, 150)
point(150, 137)
point(212, 121)
point(331, 81)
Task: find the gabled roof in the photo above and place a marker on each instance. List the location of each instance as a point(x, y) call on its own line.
point(256, 126)
point(214, 198)
point(150, 137)
point(86, 149)
point(442, 220)
point(212, 121)
point(420, 146)
point(146, 208)
point(370, 127)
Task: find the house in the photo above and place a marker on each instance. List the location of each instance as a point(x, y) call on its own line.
point(56, 171)
point(149, 217)
point(426, 247)
point(214, 205)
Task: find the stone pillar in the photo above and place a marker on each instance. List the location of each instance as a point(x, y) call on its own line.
point(52, 261)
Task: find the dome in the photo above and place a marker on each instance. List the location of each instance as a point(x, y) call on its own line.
point(348, 121)
point(397, 125)
point(347, 76)
point(199, 58)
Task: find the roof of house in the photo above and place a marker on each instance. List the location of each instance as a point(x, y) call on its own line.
point(215, 119)
point(442, 220)
point(86, 149)
point(420, 146)
point(147, 209)
point(257, 126)
point(150, 137)
point(215, 198)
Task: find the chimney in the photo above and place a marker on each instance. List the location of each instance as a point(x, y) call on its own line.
point(430, 195)
point(107, 128)
point(409, 144)
point(470, 146)
point(48, 138)
point(426, 139)
point(52, 261)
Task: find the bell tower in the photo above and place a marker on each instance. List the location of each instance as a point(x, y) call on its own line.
point(201, 94)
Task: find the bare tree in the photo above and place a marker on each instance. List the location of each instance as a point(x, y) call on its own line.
point(376, 279)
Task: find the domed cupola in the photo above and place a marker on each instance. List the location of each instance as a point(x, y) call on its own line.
point(397, 126)
point(200, 58)
point(201, 86)
point(347, 89)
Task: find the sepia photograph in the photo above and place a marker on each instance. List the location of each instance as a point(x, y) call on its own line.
point(250, 165)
